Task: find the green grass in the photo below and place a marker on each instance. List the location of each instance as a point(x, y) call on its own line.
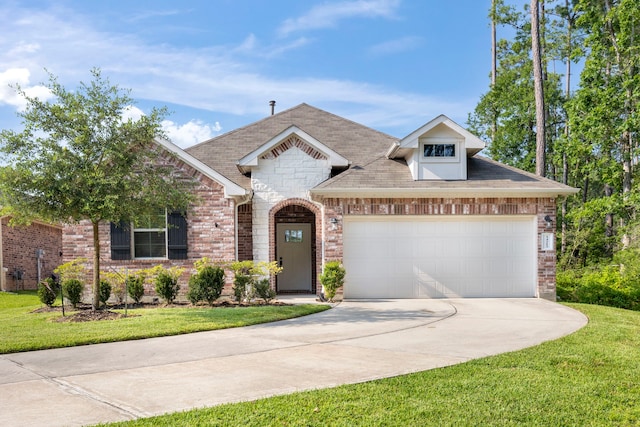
point(22, 330)
point(589, 378)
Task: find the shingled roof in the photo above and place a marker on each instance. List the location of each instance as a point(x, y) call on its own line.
point(371, 172)
point(387, 178)
point(356, 142)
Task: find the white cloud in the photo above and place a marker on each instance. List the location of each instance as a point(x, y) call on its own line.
point(191, 132)
point(395, 46)
point(327, 15)
point(20, 76)
point(215, 78)
point(132, 112)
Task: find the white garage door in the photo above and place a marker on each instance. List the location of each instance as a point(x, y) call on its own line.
point(439, 257)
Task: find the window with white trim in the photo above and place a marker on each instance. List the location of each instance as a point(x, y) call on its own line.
point(150, 236)
point(160, 235)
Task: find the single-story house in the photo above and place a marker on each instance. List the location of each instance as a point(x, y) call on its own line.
point(423, 216)
point(28, 254)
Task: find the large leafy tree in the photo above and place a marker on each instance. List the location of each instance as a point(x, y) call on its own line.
point(78, 158)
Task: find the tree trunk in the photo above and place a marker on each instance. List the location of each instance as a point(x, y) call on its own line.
point(565, 161)
point(538, 91)
point(95, 302)
point(494, 64)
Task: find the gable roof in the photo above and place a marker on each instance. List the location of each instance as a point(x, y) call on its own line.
point(251, 159)
point(352, 141)
point(473, 144)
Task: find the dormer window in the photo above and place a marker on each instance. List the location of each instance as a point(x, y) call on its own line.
point(439, 150)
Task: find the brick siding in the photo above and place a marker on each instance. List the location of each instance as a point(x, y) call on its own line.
point(19, 246)
point(210, 233)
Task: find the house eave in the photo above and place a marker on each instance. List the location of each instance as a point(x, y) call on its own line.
point(441, 192)
point(231, 189)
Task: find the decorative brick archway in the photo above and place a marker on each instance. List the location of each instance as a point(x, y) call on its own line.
point(303, 211)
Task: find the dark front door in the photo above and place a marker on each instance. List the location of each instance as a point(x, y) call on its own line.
point(293, 246)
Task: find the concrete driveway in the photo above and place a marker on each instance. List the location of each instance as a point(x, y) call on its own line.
point(355, 341)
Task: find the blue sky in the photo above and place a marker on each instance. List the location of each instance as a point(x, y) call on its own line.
point(389, 64)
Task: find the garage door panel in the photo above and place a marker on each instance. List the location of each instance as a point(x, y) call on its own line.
point(435, 257)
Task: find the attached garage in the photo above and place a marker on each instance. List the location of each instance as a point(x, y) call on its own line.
point(440, 256)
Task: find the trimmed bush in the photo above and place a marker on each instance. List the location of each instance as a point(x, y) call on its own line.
point(167, 286)
point(73, 289)
point(135, 288)
point(104, 292)
point(48, 291)
point(247, 274)
point(263, 290)
point(206, 285)
point(332, 278)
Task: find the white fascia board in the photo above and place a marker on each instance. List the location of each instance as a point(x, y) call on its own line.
point(443, 192)
point(251, 159)
point(231, 189)
point(473, 144)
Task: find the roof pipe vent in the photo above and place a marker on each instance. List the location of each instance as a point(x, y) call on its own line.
point(273, 106)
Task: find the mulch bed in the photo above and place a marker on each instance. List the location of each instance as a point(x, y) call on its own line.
point(83, 312)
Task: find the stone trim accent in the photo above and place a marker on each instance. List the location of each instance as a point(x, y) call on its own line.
point(294, 141)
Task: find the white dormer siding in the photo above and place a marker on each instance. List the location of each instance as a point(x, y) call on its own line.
point(441, 158)
point(437, 151)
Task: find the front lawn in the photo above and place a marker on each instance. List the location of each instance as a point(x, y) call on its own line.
point(23, 330)
point(589, 378)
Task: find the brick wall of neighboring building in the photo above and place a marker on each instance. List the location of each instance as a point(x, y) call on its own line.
point(540, 207)
point(19, 246)
point(210, 233)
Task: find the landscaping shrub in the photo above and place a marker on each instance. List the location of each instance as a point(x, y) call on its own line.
point(117, 281)
point(264, 290)
point(73, 289)
point(247, 274)
point(332, 278)
point(166, 282)
point(48, 291)
point(104, 292)
point(206, 284)
point(135, 287)
point(611, 285)
point(74, 269)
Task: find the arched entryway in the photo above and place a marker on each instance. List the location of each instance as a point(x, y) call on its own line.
point(295, 246)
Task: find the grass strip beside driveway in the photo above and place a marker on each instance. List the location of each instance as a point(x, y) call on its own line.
point(23, 330)
point(589, 378)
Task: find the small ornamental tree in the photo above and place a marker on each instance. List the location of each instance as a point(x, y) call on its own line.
point(332, 278)
point(78, 158)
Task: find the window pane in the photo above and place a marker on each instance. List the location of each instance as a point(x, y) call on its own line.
point(293, 236)
point(149, 244)
point(439, 150)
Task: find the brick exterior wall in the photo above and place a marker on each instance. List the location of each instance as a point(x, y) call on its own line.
point(19, 246)
point(540, 207)
point(210, 233)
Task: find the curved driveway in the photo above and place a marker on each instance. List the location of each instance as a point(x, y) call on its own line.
point(354, 342)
